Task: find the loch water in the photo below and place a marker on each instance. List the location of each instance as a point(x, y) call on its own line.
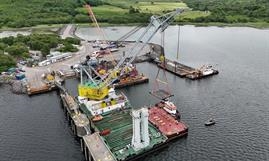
point(35, 128)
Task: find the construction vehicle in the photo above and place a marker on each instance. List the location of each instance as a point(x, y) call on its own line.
point(98, 89)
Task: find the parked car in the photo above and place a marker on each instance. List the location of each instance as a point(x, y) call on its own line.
point(23, 62)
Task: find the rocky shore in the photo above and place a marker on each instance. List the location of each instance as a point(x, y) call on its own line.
point(17, 86)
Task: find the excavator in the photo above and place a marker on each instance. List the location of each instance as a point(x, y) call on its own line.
point(98, 88)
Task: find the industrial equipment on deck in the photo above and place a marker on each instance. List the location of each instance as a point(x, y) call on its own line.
point(98, 90)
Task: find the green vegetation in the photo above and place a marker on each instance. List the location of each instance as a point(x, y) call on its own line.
point(190, 16)
point(157, 7)
point(206, 12)
point(72, 40)
point(23, 13)
point(18, 47)
point(112, 14)
point(6, 61)
point(68, 48)
point(18, 50)
point(232, 11)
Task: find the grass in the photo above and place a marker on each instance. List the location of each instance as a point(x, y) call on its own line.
point(115, 12)
point(120, 3)
point(107, 10)
point(191, 15)
point(104, 11)
point(158, 7)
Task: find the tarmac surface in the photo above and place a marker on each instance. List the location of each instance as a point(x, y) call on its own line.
point(33, 74)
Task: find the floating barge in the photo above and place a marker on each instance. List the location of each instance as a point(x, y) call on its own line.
point(129, 75)
point(38, 90)
point(167, 124)
point(131, 81)
point(182, 70)
point(47, 83)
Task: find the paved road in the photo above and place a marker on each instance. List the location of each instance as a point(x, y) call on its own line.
point(67, 31)
point(33, 74)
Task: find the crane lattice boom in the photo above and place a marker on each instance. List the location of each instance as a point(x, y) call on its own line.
point(157, 23)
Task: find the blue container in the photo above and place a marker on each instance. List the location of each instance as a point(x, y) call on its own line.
point(20, 76)
point(11, 70)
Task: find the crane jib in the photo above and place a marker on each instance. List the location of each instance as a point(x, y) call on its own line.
point(157, 23)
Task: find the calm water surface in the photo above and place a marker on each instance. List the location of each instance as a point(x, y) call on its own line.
point(34, 128)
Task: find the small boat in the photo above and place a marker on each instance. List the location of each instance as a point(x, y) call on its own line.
point(207, 70)
point(210, 122)
point(170, 107)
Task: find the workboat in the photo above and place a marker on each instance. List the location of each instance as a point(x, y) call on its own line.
point(169, 107)
point(210, 122)
point(207, 70)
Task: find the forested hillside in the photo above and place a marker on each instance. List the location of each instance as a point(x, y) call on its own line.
point(231, 11)
point(23, 13)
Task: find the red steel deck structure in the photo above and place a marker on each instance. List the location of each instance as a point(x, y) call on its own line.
point(166, 123)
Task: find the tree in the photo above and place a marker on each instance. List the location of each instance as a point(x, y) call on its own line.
point(6, 61)
point(17, 50)
point(95, 2)
point(35, 44)
point(2, 46)
point(133, 10)
point(68, 48)
point(8, 40)
point(21, 38)
point(72, 40)
point(45, 50)
point(81, 18)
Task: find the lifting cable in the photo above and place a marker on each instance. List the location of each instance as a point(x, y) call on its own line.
point(158, 91)
point(178, 41)
point(130, 33)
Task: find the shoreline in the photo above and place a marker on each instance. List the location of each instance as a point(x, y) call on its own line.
point(263, 25)
point(50, 27)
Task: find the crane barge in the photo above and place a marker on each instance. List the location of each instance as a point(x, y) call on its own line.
point(118, 131)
